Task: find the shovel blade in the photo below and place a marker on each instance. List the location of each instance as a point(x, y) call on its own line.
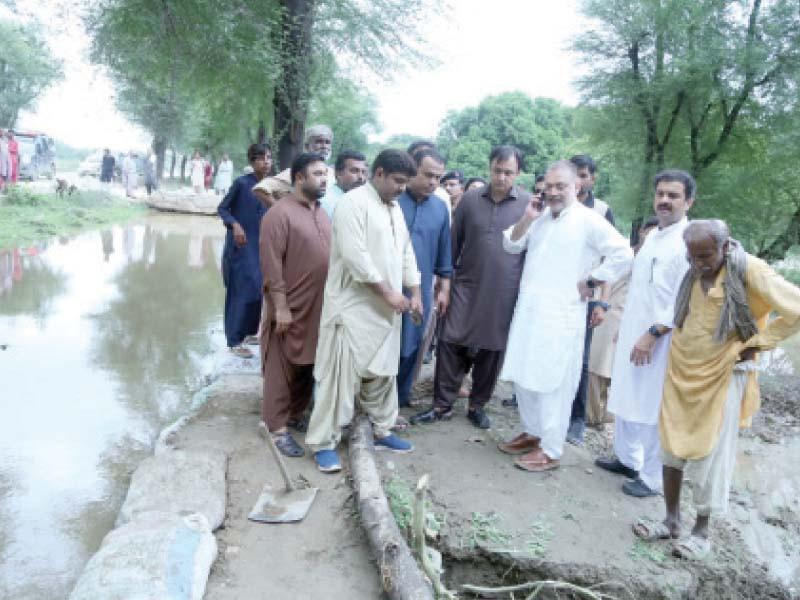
point(282, 506)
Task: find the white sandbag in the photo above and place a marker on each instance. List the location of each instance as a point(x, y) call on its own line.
point(157, 556)
point(181, 482)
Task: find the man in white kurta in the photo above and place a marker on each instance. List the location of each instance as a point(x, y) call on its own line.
point(372, 260)
point(640, 361)
point(563, 243)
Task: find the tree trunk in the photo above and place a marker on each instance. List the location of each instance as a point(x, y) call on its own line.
point(782, 244)
point(400, 575)
point(160, 148)
point(290, 101)
point(172, 164)
point(183, 168)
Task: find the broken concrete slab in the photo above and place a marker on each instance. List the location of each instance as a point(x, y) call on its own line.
point(178, 482)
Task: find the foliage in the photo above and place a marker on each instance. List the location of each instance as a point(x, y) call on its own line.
point(27, 68)
point(27, 217)
point(539, 127)
point(701, 86)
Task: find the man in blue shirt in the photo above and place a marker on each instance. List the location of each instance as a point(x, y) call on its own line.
point(241, 212)
point(428, 223)
point(350, 172)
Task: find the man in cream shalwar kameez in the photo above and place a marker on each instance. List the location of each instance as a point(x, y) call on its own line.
point(562, 244)
point(372, 260)
point(637, 378)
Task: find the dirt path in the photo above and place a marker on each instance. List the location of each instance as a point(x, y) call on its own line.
point(325, 556)
point(498, 525)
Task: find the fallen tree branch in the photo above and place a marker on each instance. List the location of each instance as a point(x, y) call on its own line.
point(535, 587)
point(400, 575)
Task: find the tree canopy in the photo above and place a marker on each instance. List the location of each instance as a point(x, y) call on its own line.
point(27, 68)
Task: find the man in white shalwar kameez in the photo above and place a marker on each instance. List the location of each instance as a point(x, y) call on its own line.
point(563, 242)
point(372, 260)
point(640, 361)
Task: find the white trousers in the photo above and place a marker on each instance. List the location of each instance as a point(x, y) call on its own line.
point(710, 477)
point(638, 447)
point(546, 414)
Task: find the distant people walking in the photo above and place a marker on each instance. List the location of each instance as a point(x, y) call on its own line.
point(5, 160)
point(129, 174)
point(208, 175)
point(107, 167)
point(149, 169)
point(13, 150)
point(224, 175)
point(241, 212)
point(197, 171)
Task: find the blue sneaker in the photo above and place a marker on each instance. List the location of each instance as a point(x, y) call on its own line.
point(393, 443)
point(327, 461)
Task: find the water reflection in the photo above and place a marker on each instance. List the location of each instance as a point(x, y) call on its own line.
point(106, 335)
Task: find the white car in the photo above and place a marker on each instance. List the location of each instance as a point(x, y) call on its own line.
point(91, 165)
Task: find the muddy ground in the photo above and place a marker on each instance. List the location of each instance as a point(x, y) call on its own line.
point(500, 525)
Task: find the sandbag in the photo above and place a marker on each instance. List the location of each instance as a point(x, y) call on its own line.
point(179, 482)
point(157, 556)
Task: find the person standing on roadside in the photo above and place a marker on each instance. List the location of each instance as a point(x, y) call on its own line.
point(224, 175)
point(372, 260)
point(107, 167)
point(711, 390)
point(295, 250)
point(241, 214)
point(13, 150)
point(483, 292)
point(640, 361)
point(561, 245)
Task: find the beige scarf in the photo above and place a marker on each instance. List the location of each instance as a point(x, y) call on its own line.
point(735, 315)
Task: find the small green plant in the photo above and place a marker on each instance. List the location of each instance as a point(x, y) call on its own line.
point(401, 501)
point(18, 195)
point(540, 539)
point(484, 529)
point(643, 550)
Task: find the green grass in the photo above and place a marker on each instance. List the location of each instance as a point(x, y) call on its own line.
point(541, 535)
point(27, 217)
point(401, 501)
point(485, 530)
point(643, 550)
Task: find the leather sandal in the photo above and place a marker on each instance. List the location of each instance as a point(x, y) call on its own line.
point(536, 462)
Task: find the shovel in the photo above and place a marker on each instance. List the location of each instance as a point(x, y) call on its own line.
point(286, 505)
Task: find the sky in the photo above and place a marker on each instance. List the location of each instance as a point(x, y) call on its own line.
point(484, 48)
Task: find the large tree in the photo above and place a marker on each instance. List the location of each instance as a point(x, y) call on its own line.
point(27, 68)
point(540, 128)
point(676, 78)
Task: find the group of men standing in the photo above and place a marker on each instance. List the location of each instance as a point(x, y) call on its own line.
point(355, 270)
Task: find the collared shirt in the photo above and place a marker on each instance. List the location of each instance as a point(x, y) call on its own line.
point(699, 369)
point(486, 278)
point(658, 270)
point(549, 324)
point(295, 250)
point(590, 200)
point(330, 199)
point(370, 244)
point(428, 223)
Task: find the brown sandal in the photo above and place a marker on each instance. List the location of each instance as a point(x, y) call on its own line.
point(536, 462)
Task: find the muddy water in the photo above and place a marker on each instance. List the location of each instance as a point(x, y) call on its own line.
point(105, 336)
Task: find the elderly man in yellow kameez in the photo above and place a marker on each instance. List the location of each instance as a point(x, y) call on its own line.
point(711, 387)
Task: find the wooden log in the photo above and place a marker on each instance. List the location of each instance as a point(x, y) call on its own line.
point(400, 575)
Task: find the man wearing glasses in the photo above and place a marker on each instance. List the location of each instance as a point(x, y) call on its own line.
point(563, 243)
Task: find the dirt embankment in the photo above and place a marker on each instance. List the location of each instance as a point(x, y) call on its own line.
point(498, 525)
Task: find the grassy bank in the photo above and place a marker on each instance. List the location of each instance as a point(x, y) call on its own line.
point(27, 217)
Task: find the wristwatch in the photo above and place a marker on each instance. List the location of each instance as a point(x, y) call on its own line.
point(654, 331)
point(602, 304)
point(591, 283)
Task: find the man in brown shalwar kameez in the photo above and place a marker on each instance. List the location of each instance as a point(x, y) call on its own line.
point(295, 249)
point(484, 291)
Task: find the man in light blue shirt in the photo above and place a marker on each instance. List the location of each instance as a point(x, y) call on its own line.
point(350, 172)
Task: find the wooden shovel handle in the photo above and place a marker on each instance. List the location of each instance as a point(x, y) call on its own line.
point(290, 487)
